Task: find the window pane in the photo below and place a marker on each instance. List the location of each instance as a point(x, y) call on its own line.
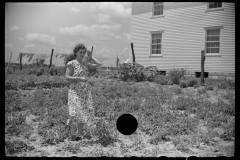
point(154, 46)
point(160, 7)
point(217, 44)
point(159, 40)
point(159, 46)
point(161, 12)
point(208, 50)
point(219, 4)
point(154, 41)
point(209, 44)
point(208, 38)
point(155, 8)
point(213, 32)
point(156, 36)
point(217, 50)
point(209, 32)
point(214, 5)
point(154, 51)
point(157, 3)
point(155, 13)
point(213, 50)
point(159, 52)
point(210, 4)
point(215, 38)
point(217, 32)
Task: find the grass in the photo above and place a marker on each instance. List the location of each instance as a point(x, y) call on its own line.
point(165, 112)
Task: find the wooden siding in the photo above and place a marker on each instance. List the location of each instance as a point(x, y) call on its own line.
point(145, 7)
point(184, 36)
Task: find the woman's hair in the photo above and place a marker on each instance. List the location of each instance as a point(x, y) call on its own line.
point(73, 55)
point(77, 47)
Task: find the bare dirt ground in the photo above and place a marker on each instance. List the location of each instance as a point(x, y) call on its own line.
point(135, 145)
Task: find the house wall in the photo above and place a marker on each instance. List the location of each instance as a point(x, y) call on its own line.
point(184, 36)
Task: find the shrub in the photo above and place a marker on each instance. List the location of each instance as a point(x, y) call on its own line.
point(223, 85)
point(201, 90)
point(30, 71)
point(192, 82)
point(51, 71)
point(209, 88)
point(176, 74)
point(183, 84)
point(170, 82)
point(132, 72)
point(160, 79)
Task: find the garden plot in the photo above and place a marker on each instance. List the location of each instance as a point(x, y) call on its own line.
point(173, 121)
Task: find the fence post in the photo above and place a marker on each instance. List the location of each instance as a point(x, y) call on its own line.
point(20, 61)
point(9, 62)
point(202, 66)
point(133, 55)
point(51, 59)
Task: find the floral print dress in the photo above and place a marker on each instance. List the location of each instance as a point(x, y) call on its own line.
point(79, 95)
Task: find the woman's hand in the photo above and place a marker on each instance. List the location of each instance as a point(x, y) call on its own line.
point(89, 54)
point(83, 79)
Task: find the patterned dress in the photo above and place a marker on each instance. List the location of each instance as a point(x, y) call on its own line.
point(79, 95)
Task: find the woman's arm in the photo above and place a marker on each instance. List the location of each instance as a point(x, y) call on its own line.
point(70, 78)
point(94, 66)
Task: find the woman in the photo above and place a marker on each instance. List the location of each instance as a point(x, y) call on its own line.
point(79, 95)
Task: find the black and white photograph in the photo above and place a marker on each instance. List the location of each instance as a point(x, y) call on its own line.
point(120, 79)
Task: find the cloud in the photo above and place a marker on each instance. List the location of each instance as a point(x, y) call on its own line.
point(101, 18)
point(117, 9)
point(19, 38)
point(107, 53)
point(125, 49)
point(29, 45)
point(127, 37)
point(72, 44)
point(8, 46)
point(75, 10)
point(15, 28)
point(95, 31)
point(41, 38)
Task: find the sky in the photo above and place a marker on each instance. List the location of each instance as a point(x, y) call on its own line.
point(41, 27)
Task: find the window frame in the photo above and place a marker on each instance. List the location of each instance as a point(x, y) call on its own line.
point(220, 40)
point(214, 9)
point(156, 32)
point(157, 16)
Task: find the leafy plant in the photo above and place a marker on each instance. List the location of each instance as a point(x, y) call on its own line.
point(176, 74)
point(183, 84)
point(160, 79)
point(192, 82)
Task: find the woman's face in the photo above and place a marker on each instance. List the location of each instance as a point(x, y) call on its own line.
point(81, 53)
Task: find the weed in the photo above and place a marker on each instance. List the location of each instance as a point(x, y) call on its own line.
point(183, 84)
point(160, 79)
point(209, 88)
point(192, 82)
point(223, 85)
point(176, 74)
point(16, 146)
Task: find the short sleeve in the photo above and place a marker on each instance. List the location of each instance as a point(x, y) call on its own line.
point(70, 63)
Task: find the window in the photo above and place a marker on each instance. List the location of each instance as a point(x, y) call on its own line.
point(214, 5)
point(213, 40)
point(156, 43)
point(157, 8)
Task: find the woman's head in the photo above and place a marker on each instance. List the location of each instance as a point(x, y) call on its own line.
point(79, 50)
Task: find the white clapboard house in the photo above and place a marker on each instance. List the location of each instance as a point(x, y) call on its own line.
point(172, 35)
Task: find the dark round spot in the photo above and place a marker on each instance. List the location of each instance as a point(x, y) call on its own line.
point(127, 124)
